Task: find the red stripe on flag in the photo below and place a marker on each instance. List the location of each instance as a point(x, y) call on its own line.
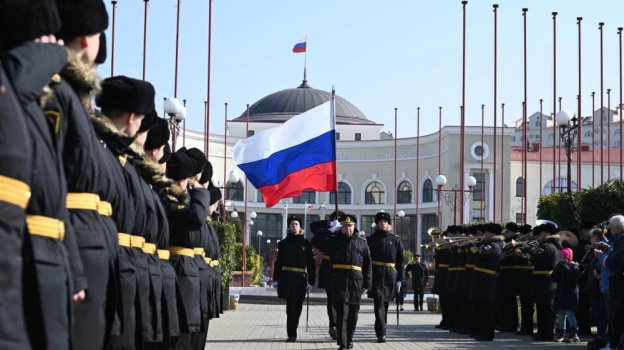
point(319, 178)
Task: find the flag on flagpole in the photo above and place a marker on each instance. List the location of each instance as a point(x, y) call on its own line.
point(309, 207)
point(322, 206)
point(300, 46)
point(298, 155)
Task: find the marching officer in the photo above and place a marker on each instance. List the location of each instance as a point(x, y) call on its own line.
point(294, 273)
point(351, 275)
point(544, 259)
point(386, 250)
point(324, 278)
point(483, 289)
point(420, 278)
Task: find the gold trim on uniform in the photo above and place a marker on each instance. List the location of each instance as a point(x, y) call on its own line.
point(163, 254)
point(293, 269)
point(84, 201)
point(182, 251)
point(199, 251)
point(480, 269)
point(14, 192)
point(347, 267)
point(149, 248)
point(385, 264)
point(137, 241)
point(123, 239)
point(45, 226)
point(105, 208)
point(542, 272)
point(214, 263)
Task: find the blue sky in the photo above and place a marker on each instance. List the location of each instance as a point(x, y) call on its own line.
point(378, 55)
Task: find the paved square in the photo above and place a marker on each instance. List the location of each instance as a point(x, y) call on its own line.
point(263, 326)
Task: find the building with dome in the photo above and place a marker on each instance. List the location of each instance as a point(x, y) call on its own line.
point(369, 182)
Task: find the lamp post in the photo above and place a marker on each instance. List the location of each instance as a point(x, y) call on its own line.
point(568, 123)
point(259, 234)
point(450, 196)
point(177, 113)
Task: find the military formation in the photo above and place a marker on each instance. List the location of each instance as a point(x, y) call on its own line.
point(492, 278)
point(107, 236)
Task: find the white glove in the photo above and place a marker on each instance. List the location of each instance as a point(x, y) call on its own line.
point(364, 291)
point(308, 288)
point(275, 284)
point(399, 284)
point(334, 226)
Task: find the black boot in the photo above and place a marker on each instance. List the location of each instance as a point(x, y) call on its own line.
point(560, 335)
point(572, 337)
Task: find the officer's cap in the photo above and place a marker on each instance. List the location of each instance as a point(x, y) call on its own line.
point(294, 218)
point(348, 219)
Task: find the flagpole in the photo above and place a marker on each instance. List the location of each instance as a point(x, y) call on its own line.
point(417, 198)
point(114, 3)
point(305, 217)
point(333, 117)
point(244, 243)
point(305, 60)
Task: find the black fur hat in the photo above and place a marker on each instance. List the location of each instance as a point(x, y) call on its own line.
point(512, 226)
point(382, 216)
point(295, 218)
point(166, 154)
point(101, 55)
point(149, 121)
point(179, 166)
point(200, 160)
point(127, 94)
point(215, 195)
point(26, 20)
point(158, 135)
point(204, 178)
point(496, 229)
point(81, 17)
point(525, 229)
point(550, 228)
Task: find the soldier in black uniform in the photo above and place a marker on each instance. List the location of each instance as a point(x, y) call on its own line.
point(386, 250)
point(453, 282)
point(522, 273)
point(470, 248)
point(87, 181)
point(420, 278)
point(213, 250)
point(294, 273)
point(324, 279)
point(483, 289)
point(187, 210)
point(544, 259)
point(16, 158)
point(442, 255)
point(351, 275)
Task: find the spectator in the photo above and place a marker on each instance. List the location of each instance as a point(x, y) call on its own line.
point(566, 274)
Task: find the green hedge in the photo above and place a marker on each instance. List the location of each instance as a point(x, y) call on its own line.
point(254, 261)
point(227, 241)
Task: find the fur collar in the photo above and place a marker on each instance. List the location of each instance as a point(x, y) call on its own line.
point(82, 78)
point(107, 131)
point(178, 192)
point(150, 170)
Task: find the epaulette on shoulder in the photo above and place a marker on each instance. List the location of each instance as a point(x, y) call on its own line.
point(55, 79)
point(172, 198)
point(362, 238)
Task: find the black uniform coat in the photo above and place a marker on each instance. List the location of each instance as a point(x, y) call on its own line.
point(419, 274)
point(186, 212)
point(294, 251)
point(545, 258)
point(457, 267)
point(484, 273)
point(96, 234)
point(471, 250)
point(15, 160)
point(347, 285)
point(385, 247)
point(567, 292)
point(442, 258)
point(47, 299)
point(324, 278)
point(200, 239)
point(213, 251)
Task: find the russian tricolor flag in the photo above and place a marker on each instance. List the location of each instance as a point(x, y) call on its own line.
point(300, 46)
point(298, 155)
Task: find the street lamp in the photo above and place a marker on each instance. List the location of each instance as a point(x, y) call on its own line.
point(450, 196)
point(568, 123)
point(259, 233)
point(177, 113)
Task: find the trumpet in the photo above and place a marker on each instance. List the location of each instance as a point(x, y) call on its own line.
point(434, 232)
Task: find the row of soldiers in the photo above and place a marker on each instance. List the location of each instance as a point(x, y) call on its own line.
point(481, 270)
point(106, 240)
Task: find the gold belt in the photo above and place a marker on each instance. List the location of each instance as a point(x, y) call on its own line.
point(214, 263)
point(163, 254)
point(455, 269)
point(208, 261)
point(137, 241)
point(45, 226)
point(381, 263)
point(182, 251)
point(199, 251)
point(470, 266)
point(542, 272)
point(124, 239)
point(14, 192)
point(149, 248)
point(491, 272)
point(88, 201)
point(326, 257)
point(293, 269)
point(443, 265)
point(105, 208)
point(347, 267)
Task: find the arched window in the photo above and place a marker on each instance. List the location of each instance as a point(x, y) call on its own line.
point(404, 193)
point(235, 191)
point(519, 187)
point(560, 186)
point(306, 197)
point(374, 193)
point(344, 194)
point(427, 194)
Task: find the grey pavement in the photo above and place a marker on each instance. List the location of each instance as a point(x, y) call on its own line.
point(263, 326)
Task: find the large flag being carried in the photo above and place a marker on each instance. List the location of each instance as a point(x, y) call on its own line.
point(299, 155)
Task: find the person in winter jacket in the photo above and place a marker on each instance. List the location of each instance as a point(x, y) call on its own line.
point(566, 274)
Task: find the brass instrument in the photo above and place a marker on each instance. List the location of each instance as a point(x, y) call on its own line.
point(533, 244)
point(569, 238)
point(517, 242)
point(460, 240)
point(434, 232)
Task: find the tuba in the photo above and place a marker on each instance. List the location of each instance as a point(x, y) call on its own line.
point(569, 238)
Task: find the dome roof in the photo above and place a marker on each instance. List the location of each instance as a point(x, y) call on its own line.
point(282, 105)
